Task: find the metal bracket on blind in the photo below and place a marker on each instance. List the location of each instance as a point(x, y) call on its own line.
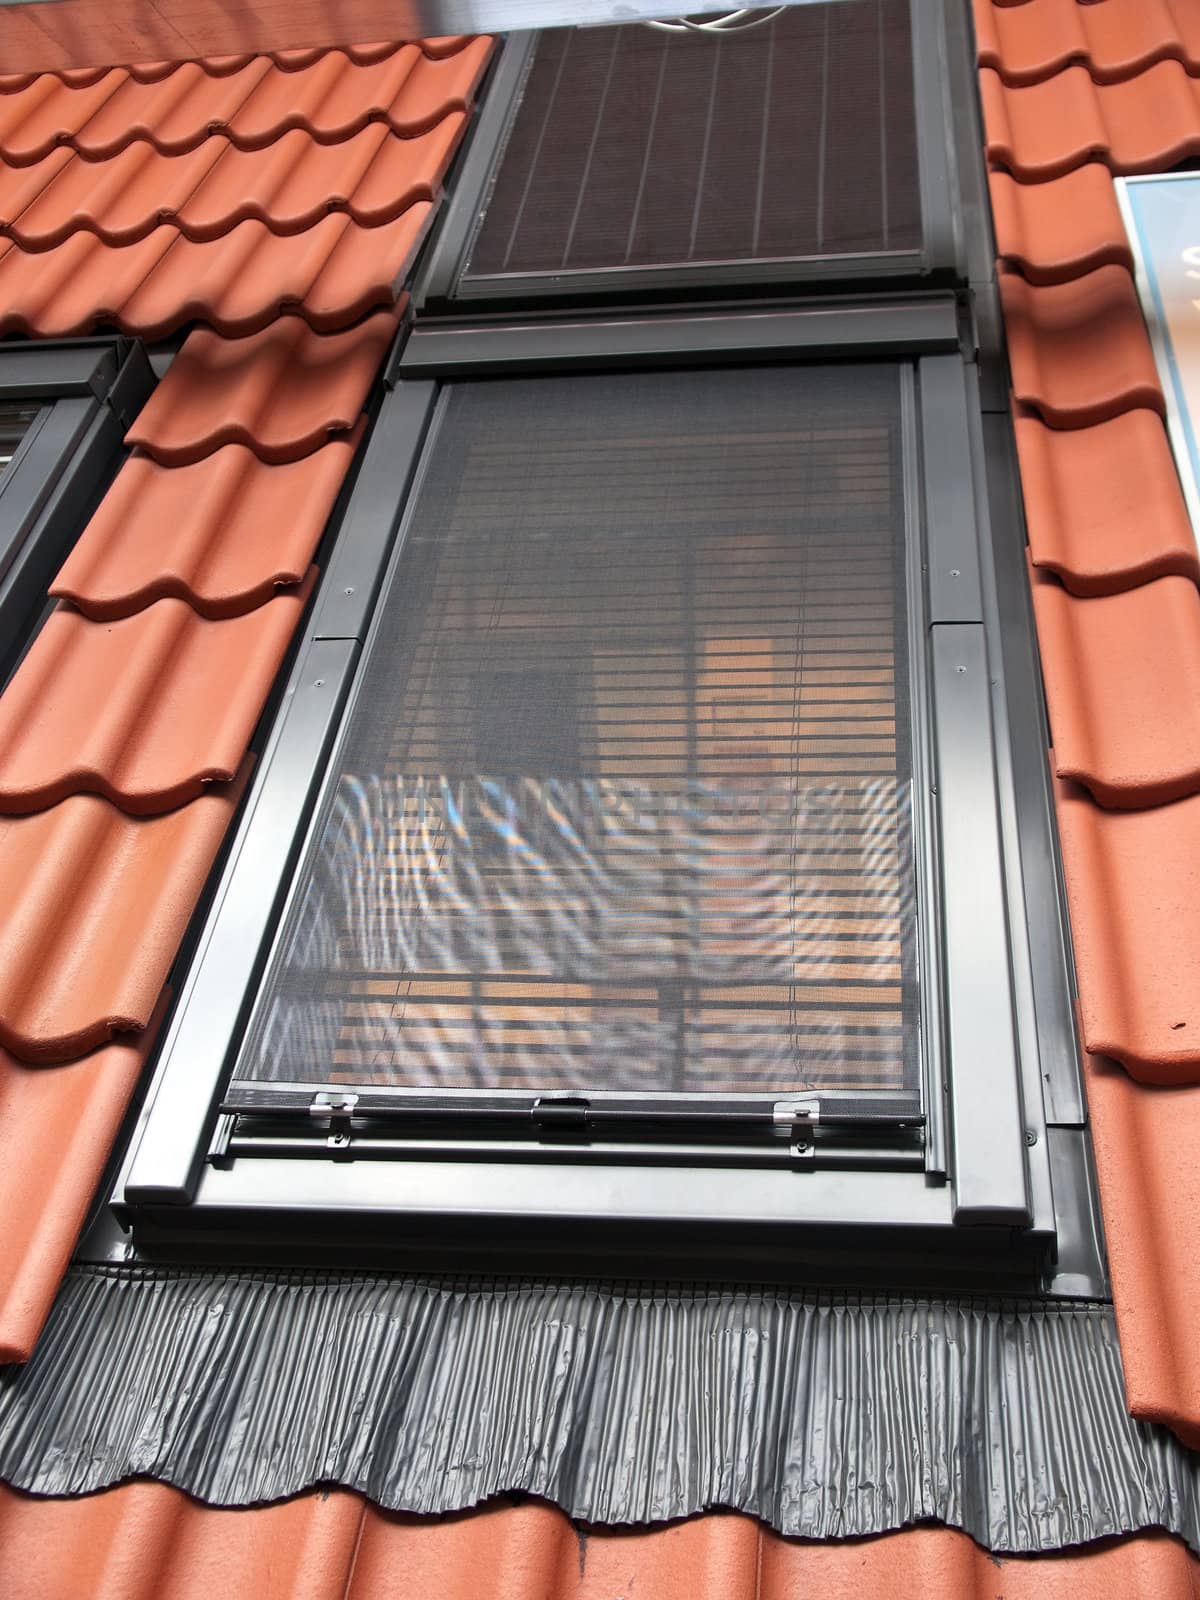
point(795, 1116)
point(335, 1111)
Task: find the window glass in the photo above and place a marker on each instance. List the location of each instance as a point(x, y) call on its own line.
point(14, 422)
point(623, 802)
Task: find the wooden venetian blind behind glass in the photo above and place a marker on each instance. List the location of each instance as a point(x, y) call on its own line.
point(624, 799)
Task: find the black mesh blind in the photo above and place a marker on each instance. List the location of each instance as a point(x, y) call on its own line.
point(634, 148)
point(623, 803)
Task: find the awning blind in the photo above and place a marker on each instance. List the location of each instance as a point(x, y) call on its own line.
point(623, 803)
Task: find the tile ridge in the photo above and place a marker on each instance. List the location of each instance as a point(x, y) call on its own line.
point(165, 210)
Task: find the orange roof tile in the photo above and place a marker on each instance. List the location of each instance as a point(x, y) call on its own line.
point(57, 1129)
point(1146, 1141)
point(332, 273)
point(1103, 503)
point(1079, 350)
point(282, 392)
point(1034, 39)
point(85, 887)
point(1133, 880)
point(197, 532)
point(1122, 676)
point(147, 711)
point(1059, 229)
point(1145, 124)
point(374, 175)
point(330, 98)
point(1106, 516)
point(146, 1541)
point(297, 182)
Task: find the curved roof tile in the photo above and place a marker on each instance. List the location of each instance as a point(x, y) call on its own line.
point(1106, 515)
point(57, 1129)
point(1122, 676)
point(179, 574)
point(240, 282)
point(1143, 125)
point(221, 66)
point(331, 98)
point(1078, 350)
point(147, 1541)
point(1133, 883)
point(147, 711)
point(290, 187)
point(1033, 40)
point(282, 392)
point(196, 532)
point(1146, 1141)
point(1103, 504)
point(83, 887)
point(1059, 229)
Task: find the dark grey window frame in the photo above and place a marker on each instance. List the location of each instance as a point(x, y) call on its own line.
point(89, 392)
point(441, 286)
point(995, 1191)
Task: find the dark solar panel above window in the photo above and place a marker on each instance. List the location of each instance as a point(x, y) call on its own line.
point(636, 148)
point(624, 799)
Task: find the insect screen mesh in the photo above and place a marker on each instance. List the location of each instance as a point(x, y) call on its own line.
point(636, 148)
point(623, 801)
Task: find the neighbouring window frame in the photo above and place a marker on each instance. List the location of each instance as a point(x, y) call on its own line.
point(996, 1188)
point(88, 391)
point(441, 285)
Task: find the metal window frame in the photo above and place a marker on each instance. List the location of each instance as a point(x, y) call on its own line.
point(985, 1194)
point(90, 391)
point(441, 286)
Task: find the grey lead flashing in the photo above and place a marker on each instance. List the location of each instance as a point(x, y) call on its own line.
point(830, 1417)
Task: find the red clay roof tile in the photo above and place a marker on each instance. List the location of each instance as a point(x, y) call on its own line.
point(223, 533)
point(84, 887)
point(282, 392)
point(1079, 350)
point(1133, 882)
point(1103, 504)
point(1143, 125)
point(1147, 1144)
point(146, 1541)
point(57, 1129)
point(290, 186)
point(197, 528)
point(254, 105)
point(147, 711)
point(1122, 676)
point(1105, 513)
point(1032, 40)
point(1056, 230)
point(333, 273)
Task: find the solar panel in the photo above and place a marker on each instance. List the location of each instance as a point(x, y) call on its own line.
point(636, 148)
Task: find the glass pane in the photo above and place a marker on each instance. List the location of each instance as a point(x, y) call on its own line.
point(14, 421)
point(634, 147)
point(624, 798)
